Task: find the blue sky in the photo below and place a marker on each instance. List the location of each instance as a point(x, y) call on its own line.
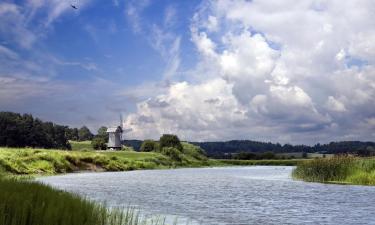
point(206, 70)
point(98, 43)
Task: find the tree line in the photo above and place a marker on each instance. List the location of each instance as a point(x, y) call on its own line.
point(18, 130)
point(226, 149)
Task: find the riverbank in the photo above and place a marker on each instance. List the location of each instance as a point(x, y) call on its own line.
point(23, 161)
point(338, 170)
point(26, 161)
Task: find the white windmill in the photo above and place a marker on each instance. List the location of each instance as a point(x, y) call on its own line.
point(115, 136)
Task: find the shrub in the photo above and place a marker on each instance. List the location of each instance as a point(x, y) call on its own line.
point(170, 140)
point(99, 143)
point(173, 153)
point(148, 146)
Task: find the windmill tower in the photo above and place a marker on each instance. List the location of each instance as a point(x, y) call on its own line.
point(115, 136)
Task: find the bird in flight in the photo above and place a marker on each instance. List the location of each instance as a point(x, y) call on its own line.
point(73, 6)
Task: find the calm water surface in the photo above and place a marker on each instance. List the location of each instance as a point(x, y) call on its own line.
point(234, 195)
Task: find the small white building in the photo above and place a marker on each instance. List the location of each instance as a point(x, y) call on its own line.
point(114, 138)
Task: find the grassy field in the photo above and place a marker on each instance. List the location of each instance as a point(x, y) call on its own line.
point(30, 203)
point(81, 145)
point(24, 161)
point(341, 170)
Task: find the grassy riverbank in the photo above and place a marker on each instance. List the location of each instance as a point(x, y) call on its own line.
point(23, 161)
point(343, 170)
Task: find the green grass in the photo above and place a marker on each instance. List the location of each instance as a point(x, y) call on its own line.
point(30, 203)
point(81, 145)
point(341, 170)
point(25, 161)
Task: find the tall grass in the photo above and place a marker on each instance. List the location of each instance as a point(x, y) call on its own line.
point(24, 161)
point(31, 203)
point(339, 169)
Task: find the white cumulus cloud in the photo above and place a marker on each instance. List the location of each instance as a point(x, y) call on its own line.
point(272, 70)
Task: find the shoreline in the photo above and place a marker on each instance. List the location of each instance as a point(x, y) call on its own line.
point(41, 162)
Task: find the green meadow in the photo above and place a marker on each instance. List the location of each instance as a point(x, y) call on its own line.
point(24, 161)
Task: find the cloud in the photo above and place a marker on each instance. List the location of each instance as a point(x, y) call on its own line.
point(133, 12)
point(272, 70)
point(168, 46)
point(335, 105)
point(13, 25)
point(170, 16)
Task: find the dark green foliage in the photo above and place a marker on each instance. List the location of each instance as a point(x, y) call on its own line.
point(99, 143)
point(263, 162)
point(102, 131)
point(18, 130)
point(72, 134)
point(244, 156)
point(84, 134)
point(170, 140)
point(173, 153)
point(149, 146)
point(254, 156)
point(225, 149)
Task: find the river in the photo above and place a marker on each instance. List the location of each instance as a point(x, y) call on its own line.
point(230, 195)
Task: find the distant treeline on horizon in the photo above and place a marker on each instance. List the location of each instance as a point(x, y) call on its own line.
point(18, 130)
point(224, 149)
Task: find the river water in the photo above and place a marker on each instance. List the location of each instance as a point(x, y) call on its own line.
point(231, 195)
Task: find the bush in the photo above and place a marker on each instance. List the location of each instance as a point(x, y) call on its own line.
point(173, 153)
point(149, 146)
point(170, 140)
point(99, 143)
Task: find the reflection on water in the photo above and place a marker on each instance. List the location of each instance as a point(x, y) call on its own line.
point(234, 195)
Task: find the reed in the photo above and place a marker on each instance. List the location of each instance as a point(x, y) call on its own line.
point(338, 169)
point(24, 202)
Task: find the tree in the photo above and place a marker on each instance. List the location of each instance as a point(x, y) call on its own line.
point(102, 132)
point(72, 134)
point(23, 130)
point(84, 134)
point(99, 143)
point(170, 140)
point(148, 146)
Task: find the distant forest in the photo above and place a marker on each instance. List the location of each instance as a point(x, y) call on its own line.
point(224, 149)
point(18, 130)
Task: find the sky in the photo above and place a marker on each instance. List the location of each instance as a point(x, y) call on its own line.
point(297, 72)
